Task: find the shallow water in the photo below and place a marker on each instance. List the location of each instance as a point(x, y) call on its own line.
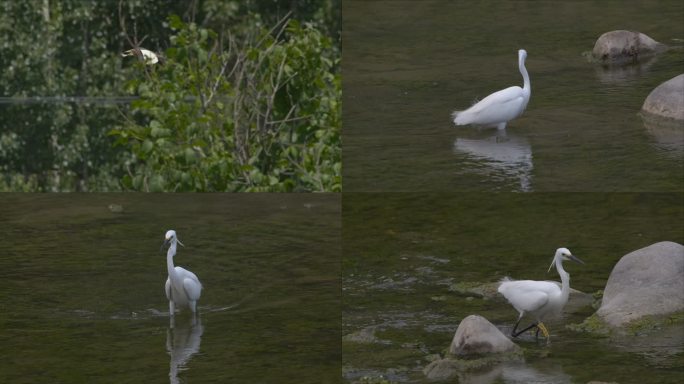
point(410, 258)
point(83, 288)
point(408, 64)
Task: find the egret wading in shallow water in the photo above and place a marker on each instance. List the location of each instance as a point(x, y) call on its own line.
point(500, 107)
point(147, 56)
point(540, 298)
point(183, 288)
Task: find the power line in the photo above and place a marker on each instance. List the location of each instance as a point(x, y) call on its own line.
point(67, 99)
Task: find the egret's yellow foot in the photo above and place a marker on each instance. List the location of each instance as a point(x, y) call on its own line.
point(545, 332)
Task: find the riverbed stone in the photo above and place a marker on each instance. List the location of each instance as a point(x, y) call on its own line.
point(648, 281)
point(477, 345)
point(477, 336)
point(667, 135)
point(667, 99)
point(624, 47)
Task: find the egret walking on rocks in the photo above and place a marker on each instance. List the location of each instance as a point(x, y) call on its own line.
point(539, 298)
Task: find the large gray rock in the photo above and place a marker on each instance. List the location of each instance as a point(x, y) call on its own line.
point(483, 344)
point(624, 47)
point(648, 281)
point(667, 135)
point(667, 99)
point(477, 336)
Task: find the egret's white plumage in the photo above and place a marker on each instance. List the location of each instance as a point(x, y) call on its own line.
point(500, 107)
point(147, 56)
point(183, 288)
point(540, 298)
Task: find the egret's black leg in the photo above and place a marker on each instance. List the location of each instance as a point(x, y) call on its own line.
point(523, 331)
point(513, 334)
point(514, 328)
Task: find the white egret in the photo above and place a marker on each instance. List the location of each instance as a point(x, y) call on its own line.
point(147, 56)
point(540, 298)
point(500, 107)
point(183, 288)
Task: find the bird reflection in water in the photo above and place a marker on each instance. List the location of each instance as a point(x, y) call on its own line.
point(507, 155)
point(182, 342)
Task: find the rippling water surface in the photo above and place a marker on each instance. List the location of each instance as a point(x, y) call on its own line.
point(83, 298)
point(408, 64)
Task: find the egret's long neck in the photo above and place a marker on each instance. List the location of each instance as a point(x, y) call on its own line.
point(526, 77)
point(169, 259)
point(565, 278)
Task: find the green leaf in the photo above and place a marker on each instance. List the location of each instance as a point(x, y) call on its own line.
point(137, 182)
point(147, 146)
point(155, 128)
point(127, 182)
point(175, 22)
point(156, 183)
point(190, 156)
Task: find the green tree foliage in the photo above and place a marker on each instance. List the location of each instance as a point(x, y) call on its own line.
point(55, 50)
point(237, 105)
point(258, 114)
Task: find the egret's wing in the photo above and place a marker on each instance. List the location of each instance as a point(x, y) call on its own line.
point(527, 295)
point(191, 284)
point(498, 99)
point(193, 288)
point(498, 107)
point(531, 301)
point(184, 273)
point(529, 285)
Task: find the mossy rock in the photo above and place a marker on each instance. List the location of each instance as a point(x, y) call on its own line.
point(643, 325)
point(373, 380)
point(592, 324)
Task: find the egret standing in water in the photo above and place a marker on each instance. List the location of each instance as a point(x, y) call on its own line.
point(500, 107)
point(540, 298)
point(183, 288)
point(147, 56)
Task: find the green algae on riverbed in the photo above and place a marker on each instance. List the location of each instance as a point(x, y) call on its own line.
point(643, 326)
point(416, 264)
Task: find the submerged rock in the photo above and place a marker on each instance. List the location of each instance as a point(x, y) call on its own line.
point(115, 208)
point(667, 99)
point(645, 282)
point(667, 134)
point(624, 47)
point(483, 290)
point(477, 336)
point(505, 372)
point(364, 336)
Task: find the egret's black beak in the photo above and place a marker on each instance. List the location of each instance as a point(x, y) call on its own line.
point(575, 259)
point(164, 245)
